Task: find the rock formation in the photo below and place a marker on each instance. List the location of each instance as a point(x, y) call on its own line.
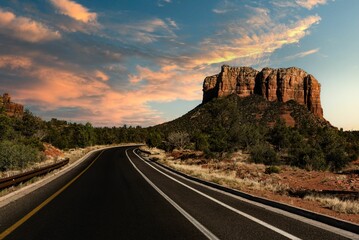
point(280, 85)
point(11, 109)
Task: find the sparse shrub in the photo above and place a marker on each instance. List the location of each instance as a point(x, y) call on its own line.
point(264, 153)
point(16, 156)
point(178, 139)
point(342, 206)
point(272, 169)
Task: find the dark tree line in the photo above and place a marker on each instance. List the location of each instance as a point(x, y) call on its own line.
point(21, 139)
point(219, 127)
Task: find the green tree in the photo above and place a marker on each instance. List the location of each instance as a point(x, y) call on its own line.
point(154, 139)
point(263, 153)
point(201, 141)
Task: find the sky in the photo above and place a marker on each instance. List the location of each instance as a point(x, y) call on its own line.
point(143, 62)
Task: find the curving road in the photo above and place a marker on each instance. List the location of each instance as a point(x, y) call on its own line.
point(115, 194)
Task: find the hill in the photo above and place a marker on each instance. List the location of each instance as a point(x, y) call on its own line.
point(287, 129)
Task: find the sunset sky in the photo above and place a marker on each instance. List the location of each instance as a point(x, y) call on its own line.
point(142, 62)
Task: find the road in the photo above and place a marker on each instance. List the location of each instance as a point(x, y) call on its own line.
point(114, 194)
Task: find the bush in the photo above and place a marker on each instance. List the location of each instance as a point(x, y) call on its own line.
point(272, 169)
point(16, 156)
point(178, 139)
point(264, 153)
point(201, 142)
point(154, 139)
point(308, 157)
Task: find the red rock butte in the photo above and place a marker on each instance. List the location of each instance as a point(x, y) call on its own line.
point(11, 109)
point(282, 85)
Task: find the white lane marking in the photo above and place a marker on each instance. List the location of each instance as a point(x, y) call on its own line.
point(197, 224)
point(288, 235)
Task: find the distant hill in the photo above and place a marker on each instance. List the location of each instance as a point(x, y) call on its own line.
point(246, 96)
point(275, 115)
point(279, 85)
point(234, 110)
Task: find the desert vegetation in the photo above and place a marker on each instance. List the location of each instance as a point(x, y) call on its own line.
point(22, 139)
point(325, 192)
point(217, 128)
point(253, 125)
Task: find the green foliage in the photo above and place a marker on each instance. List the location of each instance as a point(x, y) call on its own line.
point(246, 135)
point(16, 155)
point(263, 153)
point(154, 139)
point(201, 141)
point(279, 135)
point(306, 156)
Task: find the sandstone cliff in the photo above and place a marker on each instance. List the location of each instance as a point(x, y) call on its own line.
point(11, 109)
point(280, 85)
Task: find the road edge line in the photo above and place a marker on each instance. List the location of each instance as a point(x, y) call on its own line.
point(44, 203)
point(191, 219)
point(254, 219)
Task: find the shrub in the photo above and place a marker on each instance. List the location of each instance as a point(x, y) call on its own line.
point(154, 139)
point(178, 139)
point(263, 153)
point(16, 155)
point(201, 142)
point(272, 169)
point(306, 156)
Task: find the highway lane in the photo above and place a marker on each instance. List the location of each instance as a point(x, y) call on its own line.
point(120, 196)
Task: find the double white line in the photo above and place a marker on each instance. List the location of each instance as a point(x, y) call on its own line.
point(203, 229)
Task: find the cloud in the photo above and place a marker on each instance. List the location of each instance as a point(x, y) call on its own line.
point(258, 36)
point(172, 23)
point(162, 3)
point(101, 75)
point(74, 10)
point(302, 54)
point(25, 29)
point(14, 62)
point(309, 4)
point(225, 7)
point(148, 31)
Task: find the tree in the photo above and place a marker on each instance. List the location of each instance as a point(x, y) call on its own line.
point(279, 135)
point(154, 139)
point(263, 153)
point(201, 141)
point(178, 139)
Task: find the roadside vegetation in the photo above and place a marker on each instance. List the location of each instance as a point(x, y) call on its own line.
point(219, 127)
point(253, 125)
point(22, 139)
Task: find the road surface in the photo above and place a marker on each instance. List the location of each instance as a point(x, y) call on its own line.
point(114, 194)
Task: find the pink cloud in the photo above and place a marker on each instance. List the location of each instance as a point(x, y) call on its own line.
point(309, 4)
point(101, 75)
point(302, 54)
point(25, 28)
point(15, 62)
point(74, 10)
point(264, 37)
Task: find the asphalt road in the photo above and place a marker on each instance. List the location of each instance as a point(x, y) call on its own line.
point(116, 195)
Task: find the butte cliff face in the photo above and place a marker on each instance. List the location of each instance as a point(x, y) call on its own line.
point(11, 109)
point(280, 85)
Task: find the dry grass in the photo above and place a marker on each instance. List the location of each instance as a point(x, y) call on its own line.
point(335, 204)
point(229, 176)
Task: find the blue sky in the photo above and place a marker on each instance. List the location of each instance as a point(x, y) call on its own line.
point(142, 62)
